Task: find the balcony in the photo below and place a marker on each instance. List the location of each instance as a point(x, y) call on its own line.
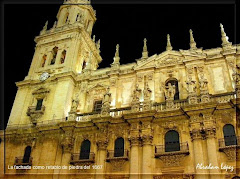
point(34, 113)
point(23, 161)
point(173, 155)
point(182, 148)
point(111, 155)
point(229, 146)
point(231, 142)
point(84, 158)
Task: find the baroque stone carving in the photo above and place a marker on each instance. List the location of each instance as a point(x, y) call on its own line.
point(172, 160)
point(231, 152)
point(117, 165)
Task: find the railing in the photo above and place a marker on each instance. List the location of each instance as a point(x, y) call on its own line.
point(174, 148)
point(119, 112)
point(229, 142)
point(23, 161)
point(112, 155)
point(81, 158)
point(223, 98)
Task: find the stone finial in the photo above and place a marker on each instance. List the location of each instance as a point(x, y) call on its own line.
point(193, 45)
point(116, 58)
point(94, 38)
point(44, 28)
point(169, 46)
point(224, 37)
point(145, 51)
point(98, 44)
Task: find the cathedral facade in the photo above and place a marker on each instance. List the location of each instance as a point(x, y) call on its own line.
point(170, 115)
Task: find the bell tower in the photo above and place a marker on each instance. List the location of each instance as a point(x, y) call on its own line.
point(62, 53)
point(67, 45)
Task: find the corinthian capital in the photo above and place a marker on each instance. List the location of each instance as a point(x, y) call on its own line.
point(147, 139)
point(134, 140)
point(102, 144)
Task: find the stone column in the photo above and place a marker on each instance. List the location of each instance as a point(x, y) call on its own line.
point(67, 144)
point(147, 156)
point(198, 153)
point(134, 160)
point(101, 158)
point(210, 131)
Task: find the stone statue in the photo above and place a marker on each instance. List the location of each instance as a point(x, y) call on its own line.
point(203, 83)
point(137, 94)
point(191, 85)
point(147, 92)
point(75, 103)
point(107, 97)
point(170, 91)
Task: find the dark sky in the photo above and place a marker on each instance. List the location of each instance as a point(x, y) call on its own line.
point(118, 22)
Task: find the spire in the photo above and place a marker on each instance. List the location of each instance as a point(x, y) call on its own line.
point(224, 37)
point(169, 46)
point(192, 41)
point(145, 51)
point(116, 58)
point(94, 38)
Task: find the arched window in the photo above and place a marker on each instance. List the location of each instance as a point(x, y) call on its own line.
point(119, 147)
point(27, 154)
point(174, 82)
point(54, 55)
point(172, 141)
point(66, 18)
point(229, 135)
point(85, 149)
point(63, 56)
point(44, 58)
point(84, 65)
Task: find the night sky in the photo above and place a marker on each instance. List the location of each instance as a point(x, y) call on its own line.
point(118, 22)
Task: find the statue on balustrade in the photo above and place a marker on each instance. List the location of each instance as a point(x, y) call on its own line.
point(191, 85)
point(203, 83)
point(147, 92)
point(137, 94)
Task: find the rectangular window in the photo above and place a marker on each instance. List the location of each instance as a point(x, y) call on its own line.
point(97, 106)
point(39, 104)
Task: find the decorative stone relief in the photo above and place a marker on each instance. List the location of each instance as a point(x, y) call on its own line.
point(118, 165)
point(172, 160)
point(231, 152)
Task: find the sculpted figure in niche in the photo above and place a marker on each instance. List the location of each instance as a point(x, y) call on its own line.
point(191, 85)
point(170, 91)
point(147, 92)
point(203, 83)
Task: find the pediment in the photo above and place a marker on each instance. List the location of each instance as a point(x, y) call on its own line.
point(145, 63)
point(97, 86)
point(169, 58)
point(40, 90)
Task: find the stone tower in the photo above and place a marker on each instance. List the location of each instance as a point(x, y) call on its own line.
point(61, 53)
